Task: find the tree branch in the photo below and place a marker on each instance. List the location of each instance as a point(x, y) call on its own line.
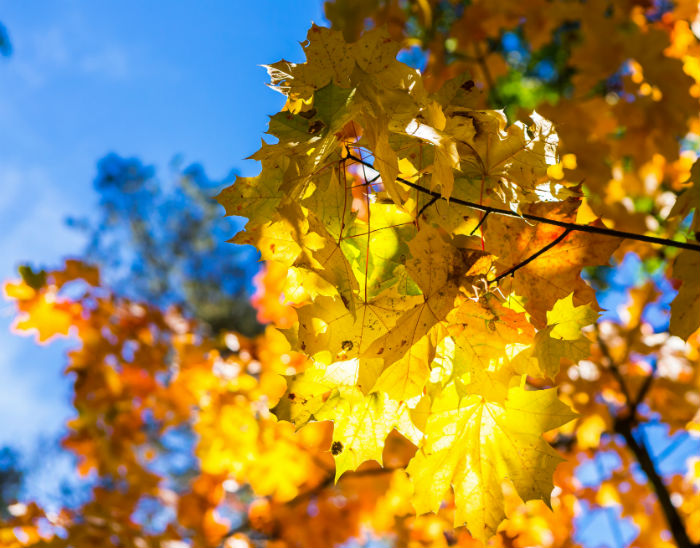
point(631, 403)
point(536, 218)
point(643, 391)
point(624, 426)
point(481, 222)
point(673, 519)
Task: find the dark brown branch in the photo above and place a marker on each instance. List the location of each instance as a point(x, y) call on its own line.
point(367, 183)
point(680, 536)
point(625, 427)
point(536, 218)
point(631, 403)
point(532, 257)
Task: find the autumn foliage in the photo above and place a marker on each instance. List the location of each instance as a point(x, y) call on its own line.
point(436, 371)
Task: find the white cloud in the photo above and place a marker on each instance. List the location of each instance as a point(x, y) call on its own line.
point(42, 55)
point(112, 63)
point(32, 219)
point(50, 48)
point(33, 406)
point(35, 400)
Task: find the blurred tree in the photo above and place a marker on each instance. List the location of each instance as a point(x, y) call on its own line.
point(5, 45)
point(165, 243)
point(11, 475)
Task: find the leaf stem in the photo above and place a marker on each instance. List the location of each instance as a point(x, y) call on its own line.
point(426, 206)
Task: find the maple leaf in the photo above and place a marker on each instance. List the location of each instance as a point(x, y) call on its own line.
point(562, 338)
point(42, 311)
point(554, 274)
point(685, 308)
point(476, 442)
point(46, 316)
point(329, 327)
point(254, 197)
point(361, 421)
point(439, 281)
point(492, 334)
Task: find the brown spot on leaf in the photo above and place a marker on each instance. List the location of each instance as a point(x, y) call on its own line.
point(468, 85)
point(308, 114)
point(317, 126)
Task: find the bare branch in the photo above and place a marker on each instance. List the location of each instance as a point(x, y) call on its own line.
point(536, 218)
point(624, 427)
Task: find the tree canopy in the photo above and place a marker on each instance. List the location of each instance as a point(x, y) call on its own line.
point(474, 217)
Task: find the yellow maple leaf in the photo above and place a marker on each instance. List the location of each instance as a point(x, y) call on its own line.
point(473, 444)
point(562, 338)
point(45, 315)
point(685, 308)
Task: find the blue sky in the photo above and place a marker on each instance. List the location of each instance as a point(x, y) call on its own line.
point(149, 79)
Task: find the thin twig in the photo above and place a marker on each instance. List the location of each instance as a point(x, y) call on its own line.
point(532, 257)
point(481, 60)
point(643, 391)
point(367, 183)
point(571, 226)
point(614, 370)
